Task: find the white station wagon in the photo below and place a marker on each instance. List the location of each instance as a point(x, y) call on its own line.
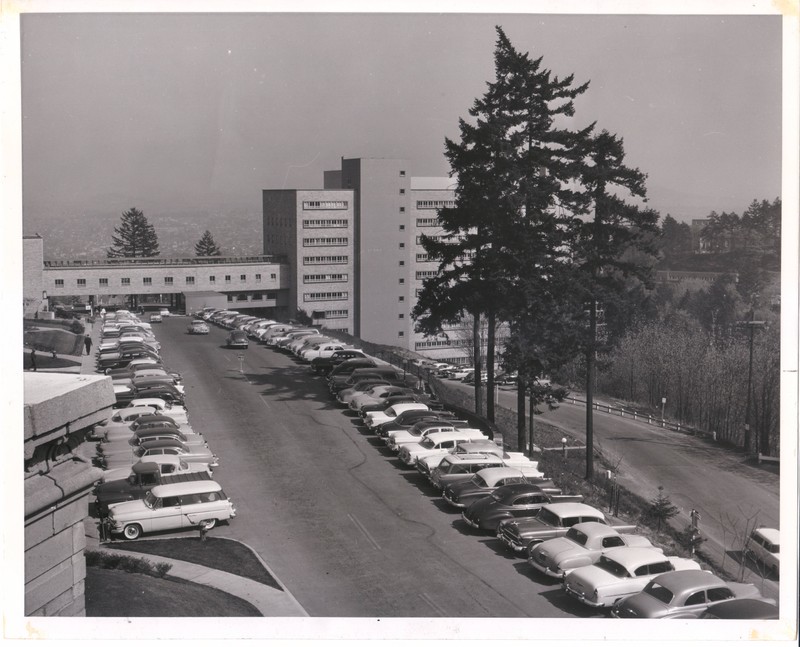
point(169, 507)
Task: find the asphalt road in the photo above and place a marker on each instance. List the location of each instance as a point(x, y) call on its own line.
point(732, 495)
point(349, 532)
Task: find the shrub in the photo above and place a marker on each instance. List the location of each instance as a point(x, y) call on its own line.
point(162, 568)
point(127, 563)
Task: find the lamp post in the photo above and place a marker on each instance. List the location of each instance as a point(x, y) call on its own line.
point(44, 301)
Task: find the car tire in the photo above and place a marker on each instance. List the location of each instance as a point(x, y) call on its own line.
point(208, 524)
point(132, 531)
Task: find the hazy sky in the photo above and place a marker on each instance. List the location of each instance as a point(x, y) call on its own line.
point(188, 111)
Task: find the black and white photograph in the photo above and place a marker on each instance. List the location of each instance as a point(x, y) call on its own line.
point(442, 321)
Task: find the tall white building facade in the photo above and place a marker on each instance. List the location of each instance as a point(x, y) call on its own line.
point(360, 265)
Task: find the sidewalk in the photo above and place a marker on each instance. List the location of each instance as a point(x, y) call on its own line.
point(268, 600)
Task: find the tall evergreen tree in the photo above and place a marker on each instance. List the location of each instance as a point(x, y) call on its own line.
point(605, 245)
point(206, 246)
point(513, 168)
point(135, 237)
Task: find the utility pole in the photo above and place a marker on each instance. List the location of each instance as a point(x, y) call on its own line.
point(748, 434)
point(590, 368)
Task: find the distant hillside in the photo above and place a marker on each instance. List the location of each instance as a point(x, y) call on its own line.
point(88, 236)
point(734, 261)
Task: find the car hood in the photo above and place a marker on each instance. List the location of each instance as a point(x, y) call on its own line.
point(128, 510)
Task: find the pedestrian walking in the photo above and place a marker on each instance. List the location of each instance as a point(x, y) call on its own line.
point(87, 341)
point(33, 359)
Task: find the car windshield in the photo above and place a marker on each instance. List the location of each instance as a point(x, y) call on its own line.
point(610, 566)
point(479, 481)
point(150, 500)
point(427, 443)
point(659, 592)
point(577, 536)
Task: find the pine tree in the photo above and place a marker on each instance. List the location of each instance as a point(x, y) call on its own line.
point(206, 246)
point(135, 237)
point(513, 168)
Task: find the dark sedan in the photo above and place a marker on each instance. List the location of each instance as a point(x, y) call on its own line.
point(509, 502)
point(237, 339)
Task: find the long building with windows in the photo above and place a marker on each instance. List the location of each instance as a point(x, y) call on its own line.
point(256, 284)
point(355, 259)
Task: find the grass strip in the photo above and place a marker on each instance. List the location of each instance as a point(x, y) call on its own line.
point(215, 552)
point(114, 594)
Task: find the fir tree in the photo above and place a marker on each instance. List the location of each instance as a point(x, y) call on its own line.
point(605, 245)
point(135, 237)
point(206, 246)
point(513, 168)
point(661, 508)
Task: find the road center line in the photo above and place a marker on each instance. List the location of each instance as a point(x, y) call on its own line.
point(361, 527)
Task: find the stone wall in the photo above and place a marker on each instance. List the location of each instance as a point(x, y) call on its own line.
point(59, 410)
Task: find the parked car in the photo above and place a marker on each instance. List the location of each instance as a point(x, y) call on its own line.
point(142, 478)
point(583, 545)
point(236, 339)
point(741, 609)
point(763, 547)
point(164, 312)
point(511, 502)
point(681, 594)
point(460, 372)
point(320, 350)
point(482, 484)
point(106, 450)
point(198, 327)
point(155, 317)
point(436, 444)
point(621, 573)
point(410, 417)
point(189, 453)
point(166, 464)
point(375, 418)
point(454, 468)
point(376, 396)
point(554, 520)
point(323, 365)
point(168, 507)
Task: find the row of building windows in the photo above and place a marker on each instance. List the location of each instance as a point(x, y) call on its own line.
point(325, 242)
point(337, 314)
point(424, 258)
point(428, 222)
point(325, 204)
point(255, 296)
point(427, 274)
point(325, 260)
point(323, 224)
point(442, 237)
point(435, 204)
point(325, 278)
point(168, 280)
point(325, 296)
